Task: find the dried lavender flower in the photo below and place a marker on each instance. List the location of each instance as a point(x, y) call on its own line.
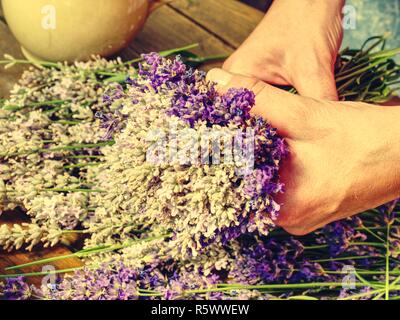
point(200, 202)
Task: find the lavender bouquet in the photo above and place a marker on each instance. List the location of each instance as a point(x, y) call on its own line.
point(131, 158)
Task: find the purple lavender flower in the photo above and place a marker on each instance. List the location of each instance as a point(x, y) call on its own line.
point(194, 100)
point(184, 284)
point(109, 282)
point(15, 289)
point(113, 95)
point(339, 235)
point(111, 123)
point(274, 261)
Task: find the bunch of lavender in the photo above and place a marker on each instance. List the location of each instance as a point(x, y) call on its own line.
point(48, 136)
point(154, 175)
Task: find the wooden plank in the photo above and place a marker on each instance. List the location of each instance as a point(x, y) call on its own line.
point(167, 29)
point(8, 259)
point(229, 20)
point(13, 258)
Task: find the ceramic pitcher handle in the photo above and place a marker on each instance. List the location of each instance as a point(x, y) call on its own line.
point(155, 4)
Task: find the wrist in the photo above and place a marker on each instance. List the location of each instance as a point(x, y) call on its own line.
point(374, 156)
point(385, 122)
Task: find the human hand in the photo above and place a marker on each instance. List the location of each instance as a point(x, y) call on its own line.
point(296, 44)
point(344, 156)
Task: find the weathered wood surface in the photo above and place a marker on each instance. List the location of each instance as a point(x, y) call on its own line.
point(8, 45)
point(20, 257)
point(229, 21)
point(175, 25)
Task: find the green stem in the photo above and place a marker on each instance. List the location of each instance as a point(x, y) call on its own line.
point(385, 54)
point(373, 233)
point(85, 157)
point(118, 78)
point(79, 254)
point(90, 251)
point(365, 282)
point(323, 246)
point(74, 190)
point(362, 295)
point(75, 231)
point(150, 294)
point(295, 286)
point(35, 104)
point(41, 63)
point(343, 259)
point(372, 244)
point(284, 286)
point(360, 71)
point(302, 298)
point(387, 254)
point(379, 295)
point(82, 165)
point(43, 273)
point(368, 273)
point(62, 148)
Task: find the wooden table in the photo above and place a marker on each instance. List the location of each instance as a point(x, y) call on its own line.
point(219, 26)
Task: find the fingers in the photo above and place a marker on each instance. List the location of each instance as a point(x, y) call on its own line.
point(317, 84)
point(280, 108)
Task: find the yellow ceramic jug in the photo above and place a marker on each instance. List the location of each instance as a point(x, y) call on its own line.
point(67, 30)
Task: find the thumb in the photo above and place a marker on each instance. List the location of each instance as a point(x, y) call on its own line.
point(280, 108)
point(319, 84)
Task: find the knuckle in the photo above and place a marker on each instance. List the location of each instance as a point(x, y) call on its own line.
point(300, 117)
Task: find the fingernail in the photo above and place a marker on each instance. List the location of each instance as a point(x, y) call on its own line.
point(220, 76)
